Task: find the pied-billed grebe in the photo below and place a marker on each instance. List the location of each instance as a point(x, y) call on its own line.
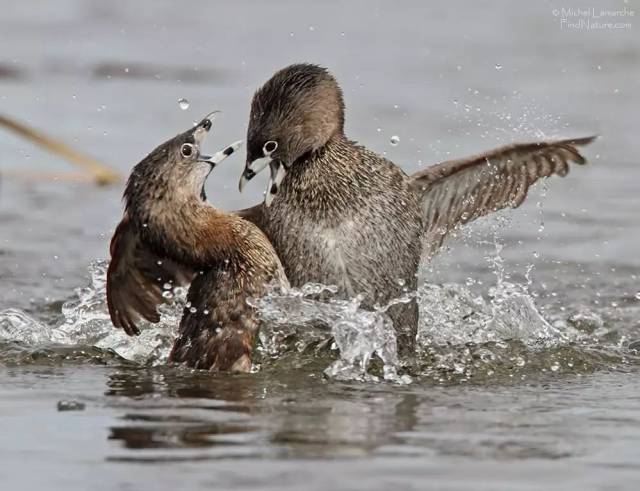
point(340, 214)
point(171, 236)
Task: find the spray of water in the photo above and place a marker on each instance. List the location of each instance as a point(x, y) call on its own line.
point(86, 323)
point(462, 334)
point(357, 334)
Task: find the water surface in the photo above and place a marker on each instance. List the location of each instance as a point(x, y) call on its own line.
point(527, 376)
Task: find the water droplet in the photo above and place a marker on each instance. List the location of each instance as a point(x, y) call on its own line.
point(498, 66)
point(520, 361)
point(187, 305)
point(638, 296)
point(455, 102)
point(599, 67)
point(183, 103)
point(555, 367)
point(167, 294)
point(205, 312)
point(400, 281)
point(167, 286)
point(193, 310)
point(311, 28)
point(395, 139)
point(159, 263)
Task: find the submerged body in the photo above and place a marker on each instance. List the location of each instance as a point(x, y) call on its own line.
point(337, 213)
point(171, 236)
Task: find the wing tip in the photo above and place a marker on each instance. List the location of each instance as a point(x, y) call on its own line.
point(585, 140)
point(571, 145)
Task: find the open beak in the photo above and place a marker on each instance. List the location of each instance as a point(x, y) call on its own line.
point(200, 132)
point(278, 172)
point(202, 128)
point(251, 169)
point(221, 155)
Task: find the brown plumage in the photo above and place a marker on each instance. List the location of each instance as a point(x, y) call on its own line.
point(337, 213)
point(459, 191)
point(170, 236)
point(136, 277)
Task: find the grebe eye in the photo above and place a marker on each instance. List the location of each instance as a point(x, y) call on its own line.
point(186, 149)
point(270, 147)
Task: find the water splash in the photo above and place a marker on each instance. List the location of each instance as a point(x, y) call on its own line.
point(356, 334)
point(452, 314)
point(87, 323)
point(464, 335)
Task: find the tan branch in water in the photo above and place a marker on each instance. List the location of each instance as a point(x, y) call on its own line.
point(100, 173)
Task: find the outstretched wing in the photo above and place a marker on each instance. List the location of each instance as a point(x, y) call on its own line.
point(459, 191)
point(135, 279)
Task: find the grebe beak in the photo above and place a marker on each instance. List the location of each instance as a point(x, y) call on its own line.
point(221, 155)
point(278, 171)
point(202, 128)
point(200, 132)
point(253, 168)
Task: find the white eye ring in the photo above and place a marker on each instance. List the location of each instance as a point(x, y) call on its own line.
point(270, 147)
point(186, 150)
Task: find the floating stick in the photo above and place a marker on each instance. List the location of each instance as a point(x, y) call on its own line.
point(100, 173)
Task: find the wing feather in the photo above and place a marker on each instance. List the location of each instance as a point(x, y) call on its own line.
point(135, 279)
point(459, 191)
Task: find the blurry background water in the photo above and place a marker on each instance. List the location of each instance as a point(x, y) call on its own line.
point(423, 83)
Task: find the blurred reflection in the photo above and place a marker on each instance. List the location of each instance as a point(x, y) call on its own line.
point(177, 383)
point(296, 414)
point(342, 423)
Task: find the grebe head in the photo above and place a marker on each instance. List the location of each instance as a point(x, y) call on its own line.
point(293, 115)
point(173, 173)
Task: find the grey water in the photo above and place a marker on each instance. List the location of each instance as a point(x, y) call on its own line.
point(527, 372)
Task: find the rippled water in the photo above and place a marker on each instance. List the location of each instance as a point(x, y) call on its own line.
point(526, 374)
